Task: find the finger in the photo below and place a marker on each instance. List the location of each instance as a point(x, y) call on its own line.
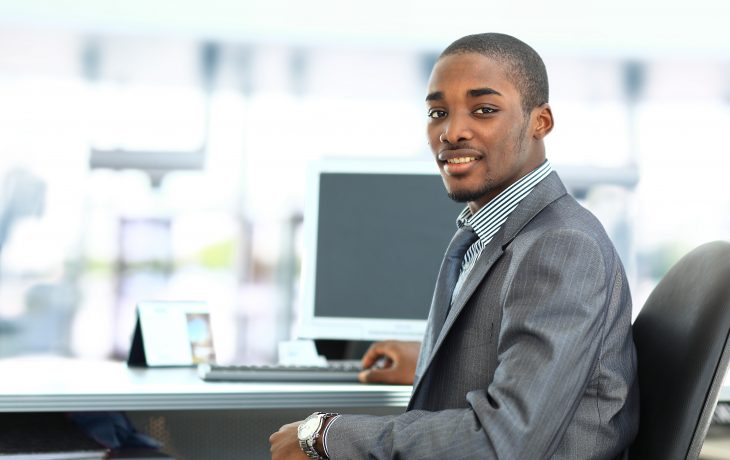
point(377, 376)
point(275, 434)
point(372, 354)
point(363, 376)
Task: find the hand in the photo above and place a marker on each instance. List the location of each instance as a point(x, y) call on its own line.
point(398, 362)
point(285, 444)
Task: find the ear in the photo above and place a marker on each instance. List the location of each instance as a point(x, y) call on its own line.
point(542, 117)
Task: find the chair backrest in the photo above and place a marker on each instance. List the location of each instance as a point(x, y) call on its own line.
point(681, 338)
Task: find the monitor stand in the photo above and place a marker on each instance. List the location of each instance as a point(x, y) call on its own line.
point(342, 349)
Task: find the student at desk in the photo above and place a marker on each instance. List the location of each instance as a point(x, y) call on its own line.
point(528, 351)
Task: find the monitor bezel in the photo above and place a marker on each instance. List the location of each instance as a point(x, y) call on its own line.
point(310, 326)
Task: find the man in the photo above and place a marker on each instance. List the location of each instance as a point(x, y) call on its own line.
point(529, 355)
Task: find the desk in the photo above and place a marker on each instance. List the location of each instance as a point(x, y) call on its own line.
point(196, 420)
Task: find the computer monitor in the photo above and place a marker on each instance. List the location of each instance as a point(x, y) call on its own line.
point(375, 233)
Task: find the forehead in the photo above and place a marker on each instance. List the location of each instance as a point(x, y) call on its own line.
point(460, 73)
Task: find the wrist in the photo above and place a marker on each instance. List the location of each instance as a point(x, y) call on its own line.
point(319, 442)
point(311, 434)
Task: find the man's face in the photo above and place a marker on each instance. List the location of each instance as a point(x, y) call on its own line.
point(481, 138)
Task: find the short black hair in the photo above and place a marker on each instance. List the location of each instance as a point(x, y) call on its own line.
point(523, 65)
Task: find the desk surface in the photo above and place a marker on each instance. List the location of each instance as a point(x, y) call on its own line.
point(57, 384)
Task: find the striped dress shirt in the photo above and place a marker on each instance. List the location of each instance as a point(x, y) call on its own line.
point(490, 218)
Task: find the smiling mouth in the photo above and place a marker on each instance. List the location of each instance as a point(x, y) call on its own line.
point(460, 160)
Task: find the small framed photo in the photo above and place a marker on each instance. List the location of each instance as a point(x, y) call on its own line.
point(175, 333)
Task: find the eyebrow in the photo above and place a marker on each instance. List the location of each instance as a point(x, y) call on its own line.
point(483, 92)
point(439, 95)
point(435, 96)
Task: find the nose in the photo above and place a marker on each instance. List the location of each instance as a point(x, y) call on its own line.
point(457, 129)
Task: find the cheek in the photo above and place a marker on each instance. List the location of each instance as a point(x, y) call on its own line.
point(432, 137)
point(505, 148)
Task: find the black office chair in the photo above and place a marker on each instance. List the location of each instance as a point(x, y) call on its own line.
point(681, 338)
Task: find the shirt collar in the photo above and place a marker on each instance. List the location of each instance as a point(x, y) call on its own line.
point(487, 220)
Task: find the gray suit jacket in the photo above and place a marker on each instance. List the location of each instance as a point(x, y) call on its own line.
point(535, 359)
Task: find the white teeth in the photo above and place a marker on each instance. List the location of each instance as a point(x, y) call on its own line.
point(460, 160)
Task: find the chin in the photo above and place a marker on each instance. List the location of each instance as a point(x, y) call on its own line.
point(460, 197)
point(468, 194)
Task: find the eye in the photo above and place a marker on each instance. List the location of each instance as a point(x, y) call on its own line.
point(485, 110)
point(436, 113)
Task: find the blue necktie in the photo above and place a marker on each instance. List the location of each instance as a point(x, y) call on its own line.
point(451, 267)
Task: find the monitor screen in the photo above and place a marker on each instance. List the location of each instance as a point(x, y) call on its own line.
point(375, 234)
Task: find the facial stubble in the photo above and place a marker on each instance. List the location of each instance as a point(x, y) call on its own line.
point(465, 196)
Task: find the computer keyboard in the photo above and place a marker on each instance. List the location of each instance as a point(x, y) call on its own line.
point(335, 371)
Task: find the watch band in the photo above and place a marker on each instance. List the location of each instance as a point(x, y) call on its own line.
point(309, 450)
point(308, 444)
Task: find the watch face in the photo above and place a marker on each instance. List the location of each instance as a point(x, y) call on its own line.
point(308, 428)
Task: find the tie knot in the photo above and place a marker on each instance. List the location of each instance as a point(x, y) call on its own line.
point(461, 241)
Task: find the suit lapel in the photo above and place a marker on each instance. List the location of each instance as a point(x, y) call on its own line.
point(437, 325)
point(548, 190)
point(486, 259)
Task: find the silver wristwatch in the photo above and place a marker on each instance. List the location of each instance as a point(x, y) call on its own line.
point(309, 431)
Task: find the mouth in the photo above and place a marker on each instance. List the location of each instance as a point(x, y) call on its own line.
point(460, 160)
point(459, 154)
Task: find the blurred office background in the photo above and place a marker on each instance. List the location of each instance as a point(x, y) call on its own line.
point(157, 150)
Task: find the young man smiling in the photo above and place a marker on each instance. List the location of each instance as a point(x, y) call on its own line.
point(528, 351)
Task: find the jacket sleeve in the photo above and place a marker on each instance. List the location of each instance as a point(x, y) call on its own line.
point(554, 306)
